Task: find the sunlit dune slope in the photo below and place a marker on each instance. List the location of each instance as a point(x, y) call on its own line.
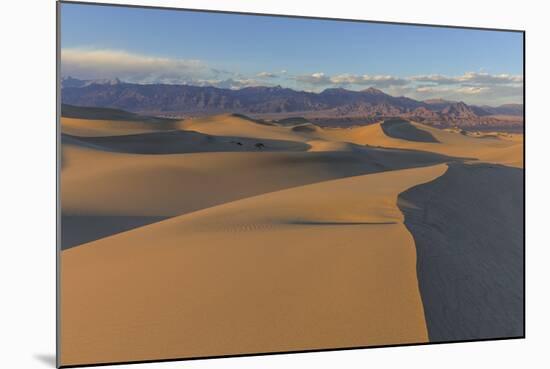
point(501, 149)
point(324, 265)
point(114, 179)
point(230, 129)
point(505, 150)
point(232, 125)
point(92, 121)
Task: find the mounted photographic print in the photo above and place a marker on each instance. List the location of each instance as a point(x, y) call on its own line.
point(238, 184)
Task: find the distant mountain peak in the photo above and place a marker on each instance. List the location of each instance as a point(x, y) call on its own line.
point(331, 104)
point(69, 78)
point(106, 81)
point(374, 91)
point(334, 90)
point(69, 81)
point(438, 101)
point(459, 110)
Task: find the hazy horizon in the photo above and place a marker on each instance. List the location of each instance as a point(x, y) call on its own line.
point(265, 86)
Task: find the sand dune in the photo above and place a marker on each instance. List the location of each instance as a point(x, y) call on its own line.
point(405, 130)
point(501, 151)
point(102, 113)
point(99, 183)
point(180, 242)
point(309, 272)
point(307, 127)
point(323, 145)
point(107, 192)
point(178, 142)
point(231, 125)
point(405, 135)
point(109, 127)
point(103, 183)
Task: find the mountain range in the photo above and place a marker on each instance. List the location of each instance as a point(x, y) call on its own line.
point(330, 105)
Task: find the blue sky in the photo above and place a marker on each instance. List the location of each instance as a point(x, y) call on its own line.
point(233, 51)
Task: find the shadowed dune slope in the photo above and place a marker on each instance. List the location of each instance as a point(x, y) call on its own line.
point(79, 229)
point(92, 121)
point(178, 142)
point(468, 230)
point(95, 113)
point(403, 129)
point(107, 127)
point(307, 127)
point(324, 265)
point(506, 151)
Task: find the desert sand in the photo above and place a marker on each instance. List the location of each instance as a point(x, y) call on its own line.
point(109, 127)
point(204, 246)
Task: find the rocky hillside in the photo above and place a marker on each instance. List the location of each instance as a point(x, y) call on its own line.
point(333, 103)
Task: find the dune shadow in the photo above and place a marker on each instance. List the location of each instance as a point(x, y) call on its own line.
point(181, 142)
point(257, 121)
point(103, 113)
point(468, 230)
point(306, 128)
point(80, 229)
point(404, 130)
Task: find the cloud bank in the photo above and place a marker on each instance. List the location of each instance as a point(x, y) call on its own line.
point(342, 80)
point(108, 64)
point(471, 87)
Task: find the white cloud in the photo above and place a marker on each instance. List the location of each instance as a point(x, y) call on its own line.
point(266, 75)
point(230, 83)
point(428, 89)
point(480, 95)
point(486, 78)
point(318, 78)
point(131, 67)
point(472, 90)
point(435, 78)
point(346, 79)
point(380, 81)
point(472, 87)
point(470, 78)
